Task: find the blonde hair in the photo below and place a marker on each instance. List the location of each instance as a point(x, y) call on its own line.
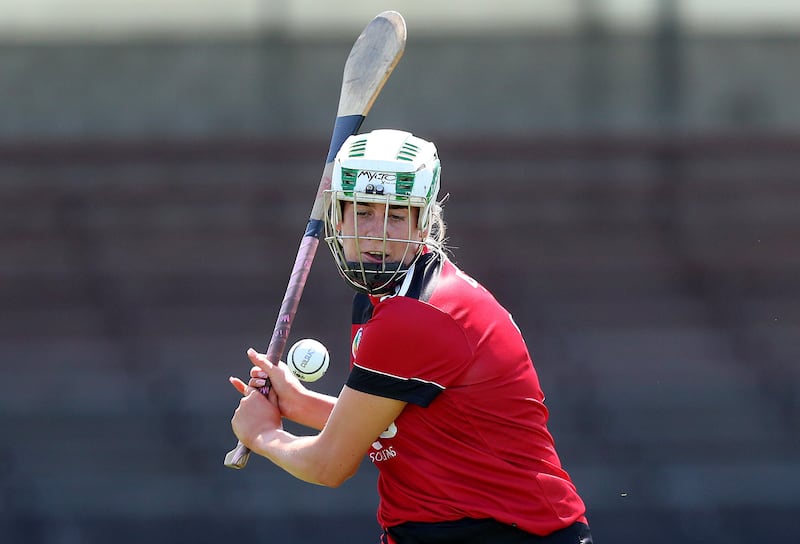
point(436, 237)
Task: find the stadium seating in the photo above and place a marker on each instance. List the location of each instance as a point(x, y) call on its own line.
point(660, 303)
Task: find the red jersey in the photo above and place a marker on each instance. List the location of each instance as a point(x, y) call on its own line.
point(472, 441)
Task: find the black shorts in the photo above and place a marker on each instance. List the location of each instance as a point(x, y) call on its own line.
point(480, 531)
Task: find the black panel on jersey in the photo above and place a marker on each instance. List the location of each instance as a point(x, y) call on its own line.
point(362, 309)
point(413, 391)
point(423, 282)
point(426, 274)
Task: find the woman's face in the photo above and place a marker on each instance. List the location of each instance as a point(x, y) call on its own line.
point(366, 220)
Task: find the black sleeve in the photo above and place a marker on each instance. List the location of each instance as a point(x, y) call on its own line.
point(413, 391)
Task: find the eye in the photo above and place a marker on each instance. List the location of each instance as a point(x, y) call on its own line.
point(398, 215)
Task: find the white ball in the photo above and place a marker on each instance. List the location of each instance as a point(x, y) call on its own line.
point(308, 359)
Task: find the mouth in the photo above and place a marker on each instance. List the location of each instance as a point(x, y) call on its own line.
point(374, 257)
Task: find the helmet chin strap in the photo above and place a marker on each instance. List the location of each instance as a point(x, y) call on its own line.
point(381, 278)
point(375, 278)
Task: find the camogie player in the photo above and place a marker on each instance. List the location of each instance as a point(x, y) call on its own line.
point(442, 394)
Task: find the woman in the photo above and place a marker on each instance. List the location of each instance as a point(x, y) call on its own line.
point(442, 394)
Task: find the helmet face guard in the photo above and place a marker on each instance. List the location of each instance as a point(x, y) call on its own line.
point(392, 169)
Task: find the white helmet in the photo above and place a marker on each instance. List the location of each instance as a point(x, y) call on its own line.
point(388, 167)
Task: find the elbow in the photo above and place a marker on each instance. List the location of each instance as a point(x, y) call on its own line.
point(335, 478)
point(332, 482)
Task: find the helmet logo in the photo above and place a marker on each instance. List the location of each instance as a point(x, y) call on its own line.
point(380, 177)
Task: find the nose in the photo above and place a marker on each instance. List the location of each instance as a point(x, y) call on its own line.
point(371, 226)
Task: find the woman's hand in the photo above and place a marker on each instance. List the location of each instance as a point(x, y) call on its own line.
point(286, 390)
point(255, 417)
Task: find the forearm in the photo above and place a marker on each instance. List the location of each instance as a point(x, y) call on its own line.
point(304, 457)
point(313, 410)
point(352, 423)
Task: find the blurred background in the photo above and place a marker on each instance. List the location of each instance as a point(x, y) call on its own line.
point(624, 175)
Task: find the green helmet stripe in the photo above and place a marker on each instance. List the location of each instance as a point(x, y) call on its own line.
point(405, 183)
point(349, 176)
point(407, 152)
point(358, 148)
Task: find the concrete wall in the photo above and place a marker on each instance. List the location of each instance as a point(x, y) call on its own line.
point(518, 86)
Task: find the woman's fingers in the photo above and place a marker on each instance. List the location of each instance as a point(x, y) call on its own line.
point(239, 385)
point(257, 383)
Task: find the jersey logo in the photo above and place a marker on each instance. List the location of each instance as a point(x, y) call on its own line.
point(380, 453)
point(356, 342)
point(391, 432)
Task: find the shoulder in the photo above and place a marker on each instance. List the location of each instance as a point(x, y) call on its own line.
point(413, 318)
point(412, 339)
